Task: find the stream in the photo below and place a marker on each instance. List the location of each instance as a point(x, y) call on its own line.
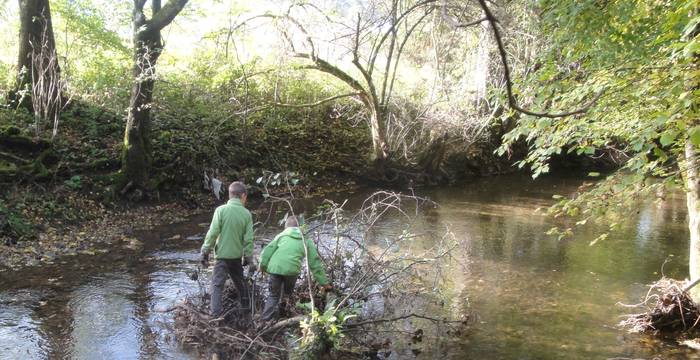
point(530, 295)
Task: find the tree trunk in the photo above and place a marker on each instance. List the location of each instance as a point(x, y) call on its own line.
point(692, 164)
point(36, 37)
point(380, 148)
point(431, 159)
point(693, 202)
point(137, 154)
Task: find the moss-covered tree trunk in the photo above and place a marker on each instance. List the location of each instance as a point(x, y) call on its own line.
point(137, 153)
point(137, 156)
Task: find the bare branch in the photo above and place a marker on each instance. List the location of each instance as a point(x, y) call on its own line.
point(389, 57)
point(317, 103)
point(509, 83)
point(471, 23)
point(398, 55)
point(454, 23)
point(375, 51)
point(324, 66)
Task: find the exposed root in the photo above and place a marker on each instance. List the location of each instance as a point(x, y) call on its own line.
point(670, 309)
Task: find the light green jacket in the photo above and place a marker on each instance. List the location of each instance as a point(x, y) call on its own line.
point(284, 254)
point(232, 225)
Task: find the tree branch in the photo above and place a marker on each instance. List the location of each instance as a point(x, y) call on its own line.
point(471, 23)
point(324, 66)
point(155, 6)
point(411, 315)
point(509, 83)
point(138, 17)
point(166, 15)
point(371, 93)
point(375, 50)
point(139, 4)
point(398, 56)
point(317, 103)
point(452, 22)
point(390, 55)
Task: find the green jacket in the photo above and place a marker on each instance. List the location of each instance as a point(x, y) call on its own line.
point(233, 226)
point(284, 254)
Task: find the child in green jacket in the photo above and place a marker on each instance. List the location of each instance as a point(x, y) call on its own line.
point(282, 259)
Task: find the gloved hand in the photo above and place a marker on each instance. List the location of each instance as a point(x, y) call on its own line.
point(250, 262)
point(204, 260)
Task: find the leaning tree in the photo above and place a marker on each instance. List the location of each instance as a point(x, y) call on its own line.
point(365, 51)
point(148, 45)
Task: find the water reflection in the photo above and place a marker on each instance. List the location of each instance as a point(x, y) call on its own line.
point(103, 314)
point(535, 297)
point(20, 335)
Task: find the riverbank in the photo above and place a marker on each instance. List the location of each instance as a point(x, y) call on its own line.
point(106, 230)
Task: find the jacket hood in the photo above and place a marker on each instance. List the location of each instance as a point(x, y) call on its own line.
point(293, 232)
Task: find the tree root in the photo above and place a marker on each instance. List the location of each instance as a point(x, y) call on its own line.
point(673, 310)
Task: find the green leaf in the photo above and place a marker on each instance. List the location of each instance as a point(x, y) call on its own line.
point(694, 135)
point(593, 174)
point(667, 138)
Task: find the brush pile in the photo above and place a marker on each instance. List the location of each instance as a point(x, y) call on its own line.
point(237, 333)
point(670, 309)
point(379, 302)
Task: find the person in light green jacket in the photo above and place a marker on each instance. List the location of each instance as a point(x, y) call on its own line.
point(282, 259)
point(231, 236)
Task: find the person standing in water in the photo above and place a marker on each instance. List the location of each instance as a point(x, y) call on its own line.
point(231, 236)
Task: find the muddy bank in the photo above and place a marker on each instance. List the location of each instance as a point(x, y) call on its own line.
point(109, 230)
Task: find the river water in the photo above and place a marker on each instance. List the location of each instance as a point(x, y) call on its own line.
point(529, 295)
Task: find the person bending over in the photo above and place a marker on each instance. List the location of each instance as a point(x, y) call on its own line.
point(282, 259)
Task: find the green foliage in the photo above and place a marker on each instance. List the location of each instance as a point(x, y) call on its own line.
point(74, 182)
point(641, 55)
point(321, 332)
point(89, 21)
point(201, 124)
point(13, 224)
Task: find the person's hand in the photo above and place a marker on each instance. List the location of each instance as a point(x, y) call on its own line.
point(204, 259)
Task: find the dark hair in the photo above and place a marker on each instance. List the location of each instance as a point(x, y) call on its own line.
point(291, 221)
point(236, 189)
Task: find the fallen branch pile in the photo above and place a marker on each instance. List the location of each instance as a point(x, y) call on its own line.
point(378, 293)
point(670, 309)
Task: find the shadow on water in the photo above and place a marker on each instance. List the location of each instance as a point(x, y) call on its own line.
point(534, 297)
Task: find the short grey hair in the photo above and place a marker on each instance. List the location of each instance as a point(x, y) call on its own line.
point(236, 189)
point(291, 221)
